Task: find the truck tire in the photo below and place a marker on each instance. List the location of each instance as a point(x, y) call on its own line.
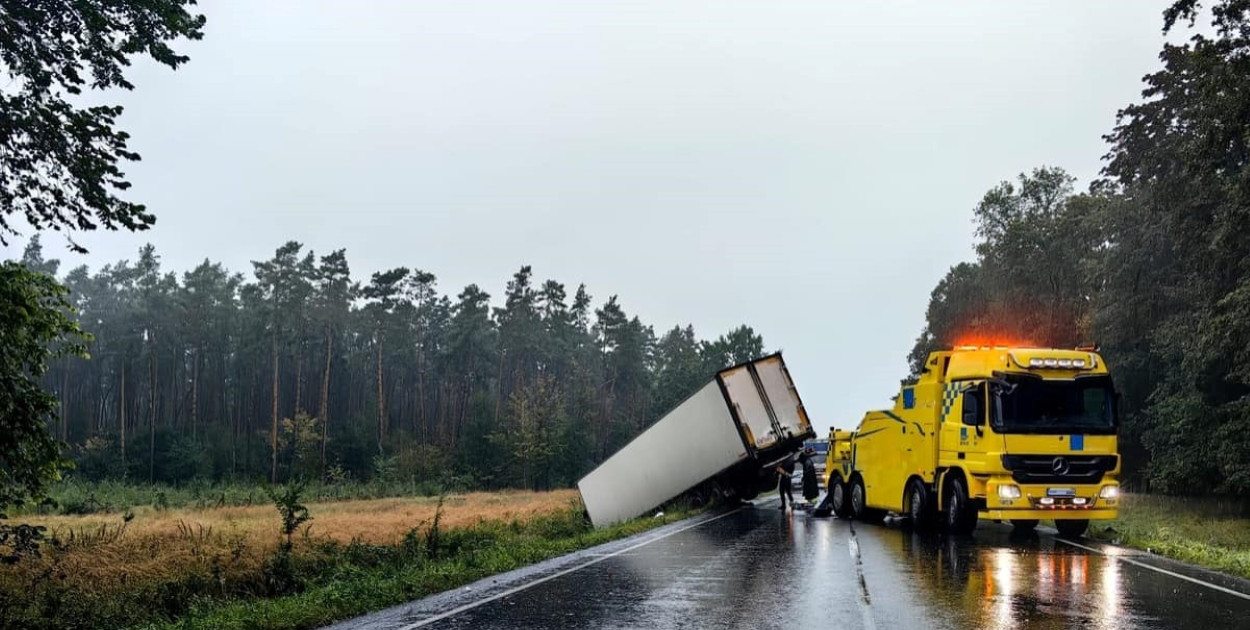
point(1024, 524)
point(838, 498)
point(961, 514)
point(858, 498)
point(1072, 528)
point(697, 497)
point(919, 503)
point(859, 503)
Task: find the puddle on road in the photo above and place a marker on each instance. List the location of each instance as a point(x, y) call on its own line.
point(999, 579)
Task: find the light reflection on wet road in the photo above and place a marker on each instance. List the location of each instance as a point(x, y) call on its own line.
point(758, 568)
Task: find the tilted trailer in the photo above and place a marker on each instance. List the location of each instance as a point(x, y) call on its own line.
point(723, 442)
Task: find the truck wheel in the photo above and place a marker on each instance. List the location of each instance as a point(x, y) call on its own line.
point(1024, 524)
point(919, 506)
point(838, 497)
point(961, 514)
point(858, 506)
point(1073, 528)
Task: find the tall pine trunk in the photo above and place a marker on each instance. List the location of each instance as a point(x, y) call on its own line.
point(381, 400)
point(232, 408)
point(273, 426)
point(421, 394)
point(444, 401)
point(325, 398)
point(499, 386)
point(122, 413)
point(195, 395)
point(299, 378)
point(152, 415)
point(464, 414)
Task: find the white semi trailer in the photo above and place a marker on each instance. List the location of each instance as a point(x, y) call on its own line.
point(724, 440)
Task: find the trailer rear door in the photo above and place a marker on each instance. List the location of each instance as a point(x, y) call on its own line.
point(782, 395)
point(752, 409)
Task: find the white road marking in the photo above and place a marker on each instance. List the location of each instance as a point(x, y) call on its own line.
point(517, 589)
point(865, 604)
point(1158, 570)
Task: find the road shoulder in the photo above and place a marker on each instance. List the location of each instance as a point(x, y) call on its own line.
point(411, 614)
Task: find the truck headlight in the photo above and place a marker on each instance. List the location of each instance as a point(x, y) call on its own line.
point(1110, 492)
point(1009, 491)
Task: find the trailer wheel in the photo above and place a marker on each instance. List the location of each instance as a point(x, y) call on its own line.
point(1072, 528)
point(961, 514)
point(1024, 524)
point(697, 496)
point(919, 505)
point(838, 497)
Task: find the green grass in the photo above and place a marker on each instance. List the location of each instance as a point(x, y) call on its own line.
point(1207, 532)
point(188, 575)
point(365, 580)
point(348, 591)
point(151, 570)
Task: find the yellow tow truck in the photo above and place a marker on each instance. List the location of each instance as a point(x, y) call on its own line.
point(1002, 433)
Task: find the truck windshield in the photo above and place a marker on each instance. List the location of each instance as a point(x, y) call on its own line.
point(1033, 405)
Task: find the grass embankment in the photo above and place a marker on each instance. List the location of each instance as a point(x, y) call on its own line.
point(225, 568)
point(1207, 532)
point(85, 497)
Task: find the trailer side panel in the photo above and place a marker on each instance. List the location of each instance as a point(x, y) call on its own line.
point(700, 433)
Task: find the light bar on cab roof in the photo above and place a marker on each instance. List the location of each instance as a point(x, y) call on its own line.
point(1062, 364)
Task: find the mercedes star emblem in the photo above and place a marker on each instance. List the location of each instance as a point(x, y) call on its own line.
point(1060, 466)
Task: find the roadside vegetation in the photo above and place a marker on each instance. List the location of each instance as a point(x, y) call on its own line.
point(278, 562)
point(1150, 262)
point(81, 497)
point(1213, 533)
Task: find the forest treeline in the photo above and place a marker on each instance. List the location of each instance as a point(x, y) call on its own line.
point(298, 371)
point(1151, 263)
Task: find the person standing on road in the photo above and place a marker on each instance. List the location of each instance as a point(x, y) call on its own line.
point(811, 485)
point(785, 469)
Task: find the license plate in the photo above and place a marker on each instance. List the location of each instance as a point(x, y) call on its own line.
point(1061, 492)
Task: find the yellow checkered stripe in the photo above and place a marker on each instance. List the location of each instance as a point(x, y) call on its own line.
point(950, 393)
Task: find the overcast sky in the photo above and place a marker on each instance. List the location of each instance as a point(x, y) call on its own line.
point(806, 168)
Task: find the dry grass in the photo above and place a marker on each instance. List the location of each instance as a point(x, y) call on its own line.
point(379, 521)
point(102, 554)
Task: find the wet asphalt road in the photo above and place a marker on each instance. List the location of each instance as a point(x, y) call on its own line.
point(759, 568)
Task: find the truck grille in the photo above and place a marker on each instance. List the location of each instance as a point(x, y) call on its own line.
point(1070, 469)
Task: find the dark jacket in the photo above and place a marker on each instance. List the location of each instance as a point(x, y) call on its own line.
point(811, 485)
point(787, 464)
